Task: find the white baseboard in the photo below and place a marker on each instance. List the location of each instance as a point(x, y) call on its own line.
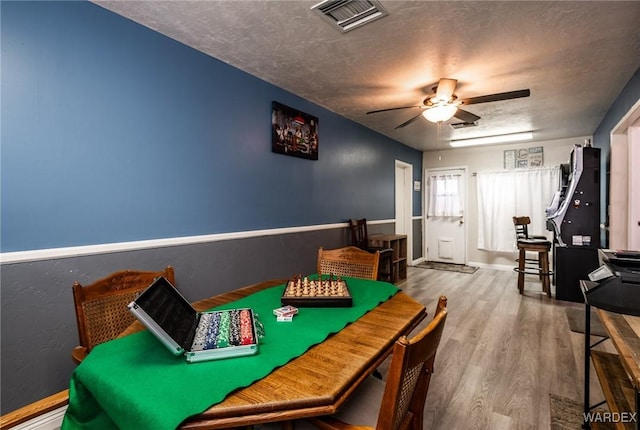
point(51, 420)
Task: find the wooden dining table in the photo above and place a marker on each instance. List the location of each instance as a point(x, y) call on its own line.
point(319, 381)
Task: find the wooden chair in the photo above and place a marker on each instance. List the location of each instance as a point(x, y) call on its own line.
point(528, 244)
point(101, 308)
point(538, 266)
point(360, 239)
point(397, 404)
point(349, 261)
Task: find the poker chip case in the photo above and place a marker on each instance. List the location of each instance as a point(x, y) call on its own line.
point(199, 336)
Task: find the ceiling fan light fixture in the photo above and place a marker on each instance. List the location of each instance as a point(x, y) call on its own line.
point(488, 140)
point(440, 113)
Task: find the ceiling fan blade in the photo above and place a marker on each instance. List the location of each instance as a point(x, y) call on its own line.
point(496, 97)
point(445, 90)
point(466, 116)
point(396, 108)
point(409, 122)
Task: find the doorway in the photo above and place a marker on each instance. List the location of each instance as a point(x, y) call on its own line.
point(624, 183)
point(445, 204)
point(404, 204)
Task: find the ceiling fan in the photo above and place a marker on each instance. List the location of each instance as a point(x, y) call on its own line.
point(443, 105)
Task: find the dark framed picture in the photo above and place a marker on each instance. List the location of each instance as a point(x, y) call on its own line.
point(293, 132)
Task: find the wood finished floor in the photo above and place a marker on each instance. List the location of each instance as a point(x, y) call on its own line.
point(501, 354)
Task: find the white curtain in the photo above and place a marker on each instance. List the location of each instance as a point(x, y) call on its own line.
point(445, 197)
point(505, 194)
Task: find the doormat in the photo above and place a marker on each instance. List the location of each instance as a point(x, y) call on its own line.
point(449, 267)
point(567, 414)
point(575, 316)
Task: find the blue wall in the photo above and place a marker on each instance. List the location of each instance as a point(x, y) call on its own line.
point(112, 132)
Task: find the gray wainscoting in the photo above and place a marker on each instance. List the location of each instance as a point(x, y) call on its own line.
point(417, 239)
point(38, 317)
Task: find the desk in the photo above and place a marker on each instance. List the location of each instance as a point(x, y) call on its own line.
point(624, 332)
point(319, 381)
point(619, 374)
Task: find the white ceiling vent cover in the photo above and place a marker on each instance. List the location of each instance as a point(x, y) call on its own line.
point(347, 15)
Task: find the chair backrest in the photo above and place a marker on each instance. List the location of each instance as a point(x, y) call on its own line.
point(101, 307)
point(359, 236)
point(409, 375)
point(521, 224)
point(349, 261)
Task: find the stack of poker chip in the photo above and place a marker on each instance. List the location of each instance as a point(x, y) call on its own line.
point(212, 330)
point(224, 329)
point(246, 328)
point(225, 325)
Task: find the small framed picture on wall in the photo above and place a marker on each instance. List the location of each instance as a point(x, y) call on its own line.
point(293, 132)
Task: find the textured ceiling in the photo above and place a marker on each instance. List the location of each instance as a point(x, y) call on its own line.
point(574, 56)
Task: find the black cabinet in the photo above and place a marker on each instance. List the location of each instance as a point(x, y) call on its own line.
point(570, 266)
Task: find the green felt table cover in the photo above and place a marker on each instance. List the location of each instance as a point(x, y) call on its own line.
point(135, 383)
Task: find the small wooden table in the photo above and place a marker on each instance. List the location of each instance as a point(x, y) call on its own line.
point(398, 243)
point(619, 374)
point(319, 381)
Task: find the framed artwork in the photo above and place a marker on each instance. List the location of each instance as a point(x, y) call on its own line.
point(524, 158)
point(535, 156)
point(510, 159)
point(293, 132)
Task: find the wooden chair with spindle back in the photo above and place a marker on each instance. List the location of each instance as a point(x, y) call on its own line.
point(348, 261)
point(528, 243)
point(397, 404)
point(101, 307)
point(521, 225)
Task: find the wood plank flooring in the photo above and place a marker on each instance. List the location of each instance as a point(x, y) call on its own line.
point(502, 353)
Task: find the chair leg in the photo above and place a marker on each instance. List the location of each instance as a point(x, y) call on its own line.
point(521, 267)
point(546, 284)
point(540, 267)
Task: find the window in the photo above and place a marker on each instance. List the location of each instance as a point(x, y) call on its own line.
point(505, 194)
point(445, 197)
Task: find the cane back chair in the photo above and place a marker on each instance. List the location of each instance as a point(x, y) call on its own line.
point(101, 307)
point(348, 261)
point(397, 404)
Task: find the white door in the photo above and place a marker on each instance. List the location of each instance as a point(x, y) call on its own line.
point(445, 201)
point(404, 204)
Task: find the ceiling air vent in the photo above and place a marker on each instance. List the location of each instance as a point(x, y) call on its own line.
point(347, 15)
point(458, 125)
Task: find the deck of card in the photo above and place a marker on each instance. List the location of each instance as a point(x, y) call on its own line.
point(285, 313)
